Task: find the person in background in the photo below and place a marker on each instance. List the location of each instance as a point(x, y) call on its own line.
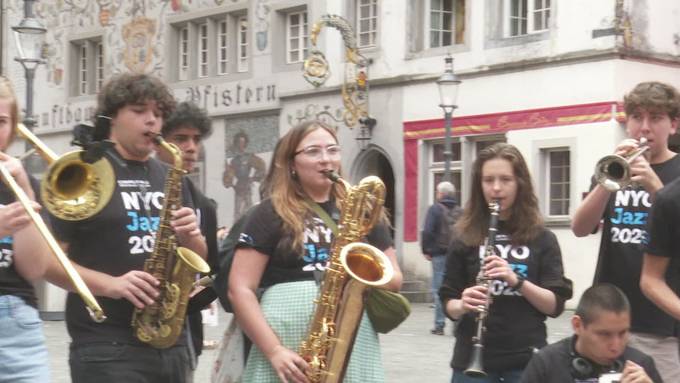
point(434, 242)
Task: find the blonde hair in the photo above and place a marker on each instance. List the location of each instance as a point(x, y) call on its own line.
point(7, 93)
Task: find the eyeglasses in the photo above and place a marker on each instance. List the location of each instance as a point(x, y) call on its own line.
point(316, 152)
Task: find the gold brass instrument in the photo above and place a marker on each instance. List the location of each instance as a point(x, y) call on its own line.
point(160, 323)
point(353, 268)
point(476, 366)
point(91, 303)
point(72, 189)
point(613, 171)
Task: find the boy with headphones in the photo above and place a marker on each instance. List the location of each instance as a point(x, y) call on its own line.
point(598, 351)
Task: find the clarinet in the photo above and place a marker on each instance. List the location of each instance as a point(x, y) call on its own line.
point(476, 367)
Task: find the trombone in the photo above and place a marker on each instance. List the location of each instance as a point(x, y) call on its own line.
point(72, 189)
point(93, 307)
point(613, 171)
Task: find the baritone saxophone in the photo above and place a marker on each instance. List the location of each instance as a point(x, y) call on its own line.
point(353, 269)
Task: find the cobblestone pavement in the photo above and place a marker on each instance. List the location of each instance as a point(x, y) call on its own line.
point(410, 353)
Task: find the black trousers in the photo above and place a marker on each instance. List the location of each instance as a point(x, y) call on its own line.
point(116, 363)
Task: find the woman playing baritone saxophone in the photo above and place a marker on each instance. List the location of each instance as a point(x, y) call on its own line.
point(526, 271)
point(282, 247)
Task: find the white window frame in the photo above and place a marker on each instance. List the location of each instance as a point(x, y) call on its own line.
point(99, 60)
point(429, 29)
point(87, 66)
point(202, 46)
point(526, 16)
point(436, 167)
point(83, 88)
point(222, 47)
point(296, 55)
point(242, 48)
point(183, 54)
point(548, 169)
point(372, 20)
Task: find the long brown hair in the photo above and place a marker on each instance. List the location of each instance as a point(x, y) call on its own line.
point(524, 222)
point(7, 93)
point(284, 189)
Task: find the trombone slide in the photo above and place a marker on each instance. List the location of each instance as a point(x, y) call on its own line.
point(93, 307)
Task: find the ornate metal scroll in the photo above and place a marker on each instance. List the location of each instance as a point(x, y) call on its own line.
point(355, 84)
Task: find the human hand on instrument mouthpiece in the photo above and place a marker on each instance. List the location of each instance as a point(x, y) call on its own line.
point(497, 268)
point(634, 373)
point(138, 287)
point(16, 169)
point(185, 224)
point(473, 298)
point(13, 217)
point(289, 366)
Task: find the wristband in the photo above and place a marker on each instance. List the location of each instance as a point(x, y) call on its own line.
point(520, 282)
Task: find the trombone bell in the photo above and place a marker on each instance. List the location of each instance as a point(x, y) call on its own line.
point(74, 190)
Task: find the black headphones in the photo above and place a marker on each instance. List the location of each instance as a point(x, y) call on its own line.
point(582, 368)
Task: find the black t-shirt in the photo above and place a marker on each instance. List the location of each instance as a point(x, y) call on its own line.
point(11, 282)
point(264, 230)
point(620, 260)
point(514, 328)
point(663, 226)
point(118, 239)
point(552, 364)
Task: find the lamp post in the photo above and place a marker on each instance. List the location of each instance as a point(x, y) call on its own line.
point(29, 36)
point(448, 93)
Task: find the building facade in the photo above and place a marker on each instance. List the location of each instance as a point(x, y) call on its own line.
point(546, 76)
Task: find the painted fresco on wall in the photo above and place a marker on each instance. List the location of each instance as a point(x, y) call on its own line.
point(261, 24)
point(246, 139)
point(138, 35)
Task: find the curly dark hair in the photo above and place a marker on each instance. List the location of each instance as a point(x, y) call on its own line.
point(131, 88)
point(653, 96)
point(188, 113)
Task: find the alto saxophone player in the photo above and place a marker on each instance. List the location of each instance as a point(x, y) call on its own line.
point(110, 248)
point(284, 247)
point(527, 281)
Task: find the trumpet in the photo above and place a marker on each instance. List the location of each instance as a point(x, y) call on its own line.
point(93, 307)
point(613, 171)
point(72, 189)
point(476, 367)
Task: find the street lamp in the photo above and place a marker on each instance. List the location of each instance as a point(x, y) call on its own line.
point(29, 36)
point(448, 93)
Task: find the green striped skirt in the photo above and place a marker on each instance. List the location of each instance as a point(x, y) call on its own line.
point(288, 308)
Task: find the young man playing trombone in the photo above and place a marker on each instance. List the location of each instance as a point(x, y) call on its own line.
point(652, 111)
point(23, 260)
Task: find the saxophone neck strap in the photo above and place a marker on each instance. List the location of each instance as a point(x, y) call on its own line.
point(321, 213)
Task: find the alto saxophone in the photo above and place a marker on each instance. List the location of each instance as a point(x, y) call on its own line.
point(352, 269)
point(160, 323)
point(476, 367)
